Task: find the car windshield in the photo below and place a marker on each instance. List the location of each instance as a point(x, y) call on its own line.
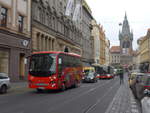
point(3, 76)
point(86, 71)
point(90, 74)
point(43, 64)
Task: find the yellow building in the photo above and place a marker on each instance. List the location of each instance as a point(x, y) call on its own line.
point(107, 52)
point(144, 49)
point(102, 46)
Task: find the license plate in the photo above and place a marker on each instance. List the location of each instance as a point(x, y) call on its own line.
point(41, 84)
point(41, 88)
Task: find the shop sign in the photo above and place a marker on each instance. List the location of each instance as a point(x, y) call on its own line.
point(25, 43)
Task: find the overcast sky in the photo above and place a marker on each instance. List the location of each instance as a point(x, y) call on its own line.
point(110, 13)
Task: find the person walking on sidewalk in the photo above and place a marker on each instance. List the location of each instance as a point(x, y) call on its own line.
point(121, 75)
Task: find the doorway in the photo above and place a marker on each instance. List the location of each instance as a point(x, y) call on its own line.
point(22, 66)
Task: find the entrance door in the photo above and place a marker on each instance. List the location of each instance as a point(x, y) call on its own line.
point(22, 66)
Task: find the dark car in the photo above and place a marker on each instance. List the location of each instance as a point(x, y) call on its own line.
point(90, 77)
point(142, 83)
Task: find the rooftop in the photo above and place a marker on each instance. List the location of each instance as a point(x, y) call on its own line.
point(115, 49)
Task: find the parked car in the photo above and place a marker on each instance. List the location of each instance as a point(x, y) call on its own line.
point(4, 83)
point(132, 80)
point(88, 69)
point(142, 83)
point(90, 77)
point(145, 102)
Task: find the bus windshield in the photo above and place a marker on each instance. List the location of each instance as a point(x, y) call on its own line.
point(43, 65)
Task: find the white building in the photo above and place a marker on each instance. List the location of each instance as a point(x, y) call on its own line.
point(96, 35)
point(115, 55)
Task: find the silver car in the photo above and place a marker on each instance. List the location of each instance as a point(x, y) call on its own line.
point(4, 83)
point(145, 102)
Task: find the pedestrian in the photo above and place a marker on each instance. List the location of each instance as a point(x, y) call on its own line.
point(121, 75)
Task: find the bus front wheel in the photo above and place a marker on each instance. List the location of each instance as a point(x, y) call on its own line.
point(39, 90)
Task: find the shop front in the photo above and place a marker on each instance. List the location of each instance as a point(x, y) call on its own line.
point(14, 50)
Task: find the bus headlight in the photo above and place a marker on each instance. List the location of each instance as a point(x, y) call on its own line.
point(54, 77)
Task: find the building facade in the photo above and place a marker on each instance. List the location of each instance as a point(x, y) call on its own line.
point(144, 51)
point(107, 53)
point(102, 45)
point(87, 40)
point(15, 41)
point(96, 35)
point(126, 38)
point(115, 55)
point(135, 64)
point(52, 30)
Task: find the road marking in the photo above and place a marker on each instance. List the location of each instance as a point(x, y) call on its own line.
point(74, 98)
point(92, 106)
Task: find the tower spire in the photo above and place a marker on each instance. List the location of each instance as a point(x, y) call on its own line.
point(125, 16)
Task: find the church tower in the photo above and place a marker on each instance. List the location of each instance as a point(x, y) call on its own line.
point(126, 39)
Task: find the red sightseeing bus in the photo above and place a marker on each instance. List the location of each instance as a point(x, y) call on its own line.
point(104, 72)
point(54, 70)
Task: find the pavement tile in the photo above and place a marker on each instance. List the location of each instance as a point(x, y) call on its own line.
point(124, 101)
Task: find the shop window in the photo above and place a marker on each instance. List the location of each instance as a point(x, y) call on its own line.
point(4, 17)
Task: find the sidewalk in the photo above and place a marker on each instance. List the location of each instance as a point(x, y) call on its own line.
point(18, 85)
point(123, 101)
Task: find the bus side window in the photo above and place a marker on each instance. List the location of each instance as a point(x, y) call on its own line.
point(60, 65)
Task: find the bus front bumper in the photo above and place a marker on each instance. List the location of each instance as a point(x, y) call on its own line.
point(43, 86)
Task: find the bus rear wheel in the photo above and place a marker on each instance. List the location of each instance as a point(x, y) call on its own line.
point(76, 84)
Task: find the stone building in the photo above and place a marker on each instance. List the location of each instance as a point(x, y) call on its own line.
point(126, 38)
point(102, 45)
point(96, 35)
point(52, 30)
point(87, 40)
point(107, 52)
point(144, 51)
point(115, 55)
point(15, 33)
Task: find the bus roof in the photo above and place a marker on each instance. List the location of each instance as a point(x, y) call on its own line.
point(57, 52)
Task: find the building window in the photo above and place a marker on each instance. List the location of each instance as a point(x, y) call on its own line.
point(20, 21)
point(4, 16)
